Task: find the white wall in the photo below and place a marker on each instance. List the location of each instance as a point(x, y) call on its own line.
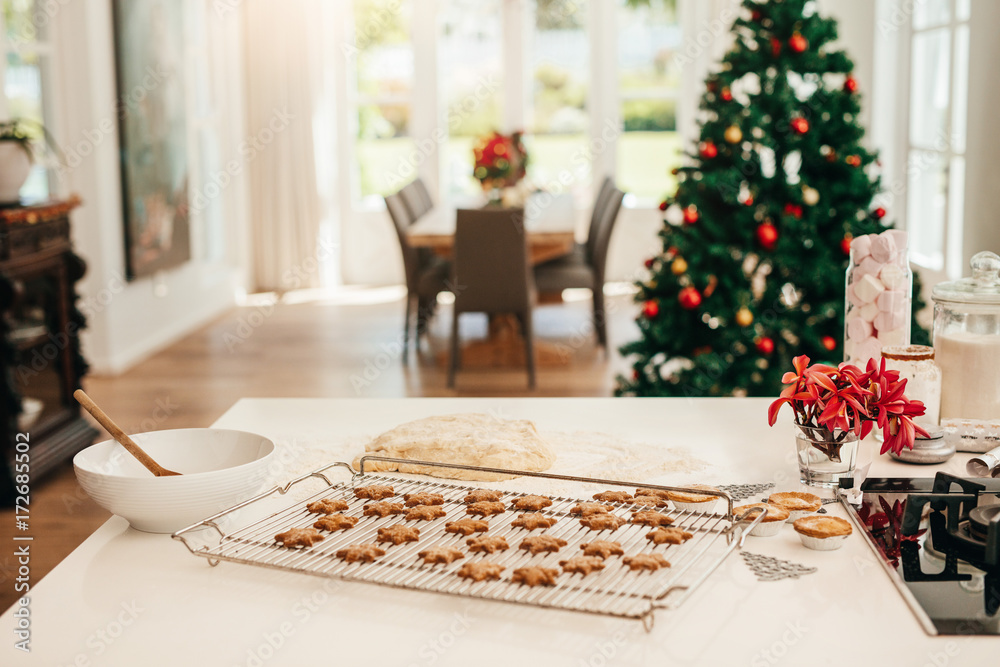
point(128, 321)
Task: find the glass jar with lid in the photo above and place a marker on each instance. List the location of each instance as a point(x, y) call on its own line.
point(967, 342)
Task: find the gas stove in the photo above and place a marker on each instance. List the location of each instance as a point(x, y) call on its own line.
point(940, 542)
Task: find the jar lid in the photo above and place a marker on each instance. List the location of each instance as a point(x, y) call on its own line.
point(982, 288)
point(907, 352)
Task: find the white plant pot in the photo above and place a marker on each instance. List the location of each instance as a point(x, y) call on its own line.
point(15, 166)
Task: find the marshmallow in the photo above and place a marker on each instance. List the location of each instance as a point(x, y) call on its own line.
point(889, 321)
point(868, 266)
point(884, 248)
point(861, 247)
point(868, 288)
point(895, 337)
point(868, 312)
point(852, 296)
point(893, 277)
point(899, 236)
point(869, 348)
point(892, 301)
point(858, 328)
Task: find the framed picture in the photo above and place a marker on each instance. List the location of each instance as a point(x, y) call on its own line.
point(149, 49)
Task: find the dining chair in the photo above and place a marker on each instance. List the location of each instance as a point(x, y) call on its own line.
point(581, 270)
point(425, 277)
point(492, 275)
point(416, 198)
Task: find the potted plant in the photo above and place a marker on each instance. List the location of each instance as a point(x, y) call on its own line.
point(17, 137)
point(835, 407)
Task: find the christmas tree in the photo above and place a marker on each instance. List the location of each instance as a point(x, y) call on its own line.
point(757, 236)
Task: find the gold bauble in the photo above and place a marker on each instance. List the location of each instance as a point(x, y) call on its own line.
point(744, 317)
point(733, 134)
point(679, 266)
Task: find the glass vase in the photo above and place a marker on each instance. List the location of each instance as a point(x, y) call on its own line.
point(825, 456)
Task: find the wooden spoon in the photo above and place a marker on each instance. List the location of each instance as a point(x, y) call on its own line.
point(120, 436)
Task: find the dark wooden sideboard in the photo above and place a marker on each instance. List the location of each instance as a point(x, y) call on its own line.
point(39, 340)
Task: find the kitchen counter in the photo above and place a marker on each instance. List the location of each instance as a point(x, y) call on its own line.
point(131, 598)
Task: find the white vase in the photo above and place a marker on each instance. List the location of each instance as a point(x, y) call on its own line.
point(15, 166)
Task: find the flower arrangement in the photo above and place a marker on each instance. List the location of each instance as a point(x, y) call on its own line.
point(500, 160)
point(844, 399)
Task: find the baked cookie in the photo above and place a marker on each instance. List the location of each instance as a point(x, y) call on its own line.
point(360, 553)
point(467, 526)
point(586, 509)
point(582, 564)
point(602, 548)
point(424, 513)
point(398, 534)
point(480, 495)
point(487, 544)
point(423, 498)
point(440, 555)
point(480, 570)
point(533, 521)
point(334, 522)
point(651, 562)
point(327, 506)
point(485, 508)
point(383, 508)
point(542, 543)
point(669, 535)
point(374, 492)
point(649, 501)
point(602, 522)
point(535, 576)
point(653, 492)
point(614, 496)
point(533, 503)
point(651, 518)
point(299, 537)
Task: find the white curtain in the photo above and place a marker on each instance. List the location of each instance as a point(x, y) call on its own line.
point(283, 85)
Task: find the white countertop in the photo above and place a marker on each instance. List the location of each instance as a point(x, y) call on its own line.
point(130, 598)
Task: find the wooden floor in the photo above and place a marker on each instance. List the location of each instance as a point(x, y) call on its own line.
point(342, 345)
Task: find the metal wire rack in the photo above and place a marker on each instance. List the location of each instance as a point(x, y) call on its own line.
point(616, 590)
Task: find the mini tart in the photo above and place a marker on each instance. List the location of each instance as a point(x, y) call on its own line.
point(772, 522)
point(823, 533)
point(798, 503)
point(694, 502)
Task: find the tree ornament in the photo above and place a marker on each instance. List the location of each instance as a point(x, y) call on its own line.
point(649, 262)
point(663, 205)
point(726, 94)
point(853, 160)
point(800, 125)
point(744, 317)
point(829, 342)
point(845, 244)
point(651, 309)
point(689, 298)
point(733, 134)
point(712, 284)
point(748, 201)
point(679, 266)
point(793, 210)
point(691, 214)
point(708, 150)
point(810, 196)
point(775, 47)
point(850, 84)
point(764, 345)
point(767, 235)
point(674, 215)
point(798, 43)
point(879, 213)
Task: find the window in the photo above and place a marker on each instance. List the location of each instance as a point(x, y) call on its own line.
point(26, 75)
point(939, 70)
point(648, 85)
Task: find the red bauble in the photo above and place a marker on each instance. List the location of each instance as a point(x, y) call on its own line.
point(853, 160)
point(767, 235)
point(649, 262)
point(879, 213)
point(793, 210)
point(663, 205)
point(672, 252)
point(775, 46)
point(829, 342)
point(727, 95)
point(755, 15)
point(845, 244)
point(690, 298)
point(765, 345)
point(691, 214)
point(798, 43)
point(651, 309)
point(708, 150)
point(850, 84)
point(800, 125)
point(748, 201)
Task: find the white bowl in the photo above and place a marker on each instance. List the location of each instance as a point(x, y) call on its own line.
point(219, 468)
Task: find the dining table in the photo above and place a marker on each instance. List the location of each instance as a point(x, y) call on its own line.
point(128, 598)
